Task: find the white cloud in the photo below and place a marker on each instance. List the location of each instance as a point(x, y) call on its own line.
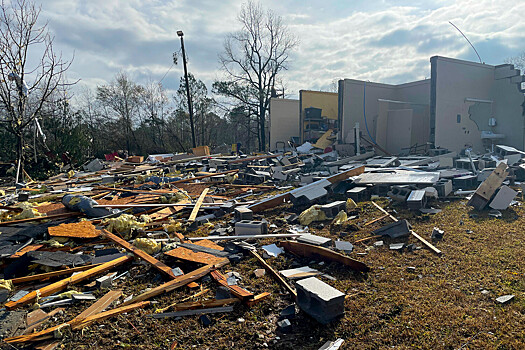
point(385, 41)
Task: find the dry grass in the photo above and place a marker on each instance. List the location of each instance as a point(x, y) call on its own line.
point(437, 306)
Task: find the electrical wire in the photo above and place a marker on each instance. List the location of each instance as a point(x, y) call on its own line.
point(364, 114)
point(172, 65)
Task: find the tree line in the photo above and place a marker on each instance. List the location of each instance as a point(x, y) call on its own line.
point(42, 125)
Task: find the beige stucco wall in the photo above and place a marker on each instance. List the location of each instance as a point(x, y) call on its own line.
point(456, 82)
point(416, 94)
point(284, 120)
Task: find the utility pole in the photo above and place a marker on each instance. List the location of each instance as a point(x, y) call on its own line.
point(190, 107)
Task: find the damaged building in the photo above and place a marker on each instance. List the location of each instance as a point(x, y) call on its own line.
point(463, 105)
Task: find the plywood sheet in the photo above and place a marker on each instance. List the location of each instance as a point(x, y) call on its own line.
point(82, 229)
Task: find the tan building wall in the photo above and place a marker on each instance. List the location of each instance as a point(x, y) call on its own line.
point(284, 120)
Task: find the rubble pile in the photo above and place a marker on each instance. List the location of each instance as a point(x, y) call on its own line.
point(123, 237)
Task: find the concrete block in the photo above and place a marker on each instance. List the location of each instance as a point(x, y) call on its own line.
point(466, 182)
point(444, 187)
point(358, 194)
point(503, 198)
point(332, 209)
point(243, 213)
point(399, 193)
point(315, 240)
point(416, 200)
point(320, 300)
point(247, 227)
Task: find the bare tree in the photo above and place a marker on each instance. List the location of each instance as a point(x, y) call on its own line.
point(26, 55)
point(518, 61)
point(252, 58)
point(123, 98)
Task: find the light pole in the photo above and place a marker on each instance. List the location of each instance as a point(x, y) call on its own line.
point(190, 107)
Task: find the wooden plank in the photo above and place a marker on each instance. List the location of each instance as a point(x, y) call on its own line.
point(204, 176)
point(63, 284)
point(421, 239)
point(208, 244)
point(316, 252)
point(35, 316)
point(487, 188)
point(240, 293)
point(75, 324)
point(257, 299)
point(29, 248)
point(275, 274)
point(204, 304)
point(79, 324)
point(189, 255)
point(44, 276)
point(40, 218)
point(140, 253)
point(197, 206)
point(100, 305)
point(376, 220)
point(178, 282)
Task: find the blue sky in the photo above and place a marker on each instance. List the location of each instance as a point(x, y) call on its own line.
point(382, 41)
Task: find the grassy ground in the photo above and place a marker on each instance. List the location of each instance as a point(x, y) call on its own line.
point(437, 305)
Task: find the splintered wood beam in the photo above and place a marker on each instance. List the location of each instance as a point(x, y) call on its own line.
point(63, 284)
point(376, 220)
point(44, 276)
point(240, 293)
point(204, 176)
point(316, 252)
point(100, 305)
point(107, 314)
point(198, 205)
point(275, 274)
point(75, 324)
point(258, 298)
point(421, 239)
point(178, 282)
point(97, 307)
point(140, 253)
point(203, 304)
point(40, 218)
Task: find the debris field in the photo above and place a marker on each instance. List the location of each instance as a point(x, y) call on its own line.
point(281, 251)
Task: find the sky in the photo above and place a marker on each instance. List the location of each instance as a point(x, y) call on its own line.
point(375, 40)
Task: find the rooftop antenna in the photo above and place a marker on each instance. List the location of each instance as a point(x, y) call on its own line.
point(476, 51)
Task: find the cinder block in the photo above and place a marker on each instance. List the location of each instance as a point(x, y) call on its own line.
point(467, 182)
point(358, 194)
point(320, 300)
point(416, 200)
point(444, 187)
point(332, 209)
point(247, 227)
point(243, 213)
